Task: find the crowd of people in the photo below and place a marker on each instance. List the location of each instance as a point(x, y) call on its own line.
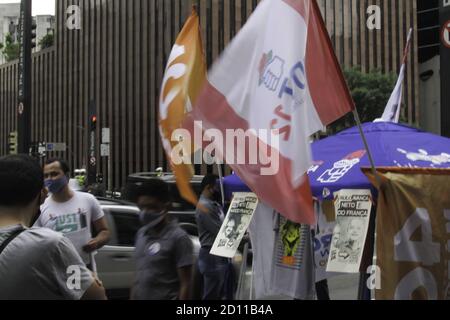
point(47, 247)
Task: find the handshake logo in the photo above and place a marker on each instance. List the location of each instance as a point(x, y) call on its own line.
point(271, 70)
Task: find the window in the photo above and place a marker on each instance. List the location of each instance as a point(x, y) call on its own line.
point(127, 225)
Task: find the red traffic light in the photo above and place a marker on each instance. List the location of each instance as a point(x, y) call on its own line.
point(94, 119)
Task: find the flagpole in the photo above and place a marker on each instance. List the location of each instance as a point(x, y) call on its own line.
point(219, 169)
point(405, 59)
point(363, 276)
point(366, 145)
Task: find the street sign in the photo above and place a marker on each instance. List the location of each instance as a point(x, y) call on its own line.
point(21, 108)
point(106, 135)
point(56, 147)
point(92, 145)
point(105, 150)
point(42, 148)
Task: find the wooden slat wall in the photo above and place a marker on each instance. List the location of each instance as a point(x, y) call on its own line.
point(119, 56)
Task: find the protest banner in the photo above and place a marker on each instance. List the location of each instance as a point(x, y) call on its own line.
point(235, 225)
point(413, 233)
point(352, 222)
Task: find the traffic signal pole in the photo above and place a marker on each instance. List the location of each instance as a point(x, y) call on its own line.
point(26, 37)
point(92, 145)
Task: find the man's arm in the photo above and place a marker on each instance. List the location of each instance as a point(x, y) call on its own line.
point(210, 221)
point(95, 292)
point(185, 276)
point(102, 238)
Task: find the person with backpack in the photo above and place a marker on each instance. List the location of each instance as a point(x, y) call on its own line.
point(36, 263)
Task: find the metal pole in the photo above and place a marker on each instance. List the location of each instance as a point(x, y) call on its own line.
point(363, 277)
point(239, 294)
point(92, 144)
point(24, 103)
point(110, 185)
point(366, 145)
point(219, 168)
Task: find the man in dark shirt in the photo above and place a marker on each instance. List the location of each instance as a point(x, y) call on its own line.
point(164, 252)
point(209, 216)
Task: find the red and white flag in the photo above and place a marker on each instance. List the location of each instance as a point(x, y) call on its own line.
point(394, 105)
point(279, 73)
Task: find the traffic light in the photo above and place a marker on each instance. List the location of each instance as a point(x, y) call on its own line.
point(33, 34)
point(13, 145)
point(93, 124)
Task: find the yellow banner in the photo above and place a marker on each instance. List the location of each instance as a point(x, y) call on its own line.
point(183, 80)
point(413, 233)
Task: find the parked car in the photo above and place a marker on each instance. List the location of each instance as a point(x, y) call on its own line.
point(115, 261)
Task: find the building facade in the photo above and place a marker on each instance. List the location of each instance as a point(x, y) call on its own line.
point(9, 21)
point(45, 24)
point(116, 59)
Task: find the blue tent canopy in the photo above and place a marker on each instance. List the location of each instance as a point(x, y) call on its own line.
point(338, 159)
point(233, 184)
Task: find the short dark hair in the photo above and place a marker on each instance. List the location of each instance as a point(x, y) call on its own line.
point(21, 180)
point(156, 188)
point(63, 164)
point(210, 180)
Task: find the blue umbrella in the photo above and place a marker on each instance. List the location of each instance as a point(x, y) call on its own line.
point(338, 159)
point(233, 184)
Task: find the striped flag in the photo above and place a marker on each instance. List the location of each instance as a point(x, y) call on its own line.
point(394, 105)
point(182, 83)
point(279, 73)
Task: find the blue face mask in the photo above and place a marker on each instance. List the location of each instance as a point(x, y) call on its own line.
point(55, 186)
point(151, 219)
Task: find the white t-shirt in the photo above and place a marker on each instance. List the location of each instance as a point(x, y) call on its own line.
point(73, 219)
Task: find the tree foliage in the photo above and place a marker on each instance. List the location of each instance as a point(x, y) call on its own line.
point(10, 49)
point(47, 41)
point(370, 91)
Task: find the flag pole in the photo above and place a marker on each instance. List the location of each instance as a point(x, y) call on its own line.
point(366, 145)
point(222, 192)
point(371, 239)
point(405, 59)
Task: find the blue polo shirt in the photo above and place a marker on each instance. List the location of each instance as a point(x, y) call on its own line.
point(158, 258)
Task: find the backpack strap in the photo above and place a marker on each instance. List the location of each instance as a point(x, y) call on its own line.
point(10, 238)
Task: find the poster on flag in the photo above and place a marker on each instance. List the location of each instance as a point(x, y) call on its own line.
point(235, 224)
point(413, 234)
point(353, 209)
point(269, 84)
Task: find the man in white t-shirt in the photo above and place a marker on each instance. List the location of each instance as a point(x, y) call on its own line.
point(35, 263)
point(72, 213)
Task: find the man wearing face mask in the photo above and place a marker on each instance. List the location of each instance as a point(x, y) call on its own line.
point(209, 216)
point(72, 213)
point(164, 252)
point(35, 262)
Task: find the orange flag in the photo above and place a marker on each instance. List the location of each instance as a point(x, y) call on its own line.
point(182, 82)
